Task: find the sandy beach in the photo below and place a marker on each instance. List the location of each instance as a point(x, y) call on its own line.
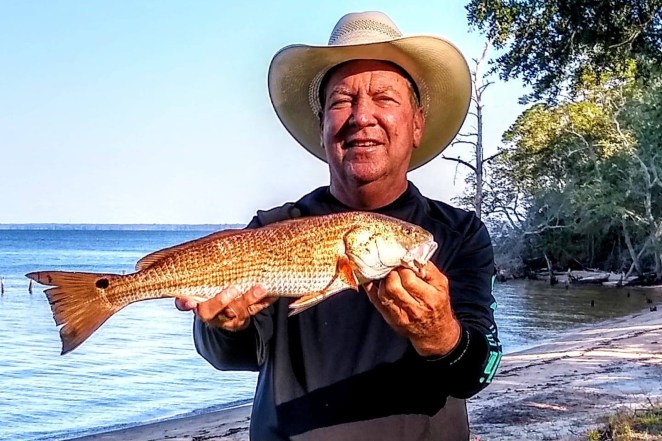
point(556, 391)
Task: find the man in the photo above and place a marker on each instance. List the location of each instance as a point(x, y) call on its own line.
point(384, 364)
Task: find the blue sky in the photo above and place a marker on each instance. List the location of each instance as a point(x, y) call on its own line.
point(158, 112)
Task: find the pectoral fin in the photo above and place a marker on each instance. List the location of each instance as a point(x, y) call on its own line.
point(342, 280)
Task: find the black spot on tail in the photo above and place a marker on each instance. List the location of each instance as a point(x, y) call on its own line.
point(102, 283)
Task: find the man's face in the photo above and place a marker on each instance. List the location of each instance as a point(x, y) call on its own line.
point(369, 123)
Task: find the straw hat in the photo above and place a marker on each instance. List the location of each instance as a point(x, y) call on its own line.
point(437, 67)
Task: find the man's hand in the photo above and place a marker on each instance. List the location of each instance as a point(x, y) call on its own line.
point(229, 309)
point(418, 307)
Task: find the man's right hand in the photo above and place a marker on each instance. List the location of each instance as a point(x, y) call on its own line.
point(229, 309)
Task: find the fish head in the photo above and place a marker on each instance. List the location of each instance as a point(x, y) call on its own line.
point(375, 249)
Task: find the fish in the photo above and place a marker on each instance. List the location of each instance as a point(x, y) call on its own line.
point(308, 258)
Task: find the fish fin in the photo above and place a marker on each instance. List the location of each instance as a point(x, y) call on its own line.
point(343, 279)
point(159, 255)
point(77, 303)
point(309, 300)
point(345, 272)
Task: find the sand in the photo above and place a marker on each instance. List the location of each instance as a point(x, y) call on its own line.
point(556, 391)
point(561, 389)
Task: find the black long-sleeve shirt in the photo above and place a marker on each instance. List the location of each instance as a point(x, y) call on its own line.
point(339, 371)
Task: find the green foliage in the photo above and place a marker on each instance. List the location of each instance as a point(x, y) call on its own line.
point(624, 425)
point(579, 180)
point(549, 43)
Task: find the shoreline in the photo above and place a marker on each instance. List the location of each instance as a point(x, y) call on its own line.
point(557, 390)
point(561, 389)
point(228, 424)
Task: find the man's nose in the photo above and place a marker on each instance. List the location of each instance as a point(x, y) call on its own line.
point(363, 113)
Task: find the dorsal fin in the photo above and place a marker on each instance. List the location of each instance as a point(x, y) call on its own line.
point(159, 255)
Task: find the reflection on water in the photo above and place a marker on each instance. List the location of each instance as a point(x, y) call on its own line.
point(533, 312)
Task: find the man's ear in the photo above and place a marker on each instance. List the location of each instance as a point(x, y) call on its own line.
point(419, 126)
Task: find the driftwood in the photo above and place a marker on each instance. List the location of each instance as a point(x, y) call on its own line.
point(586, 276)
point(568, 278)
point(646, 279)
point(579, 280)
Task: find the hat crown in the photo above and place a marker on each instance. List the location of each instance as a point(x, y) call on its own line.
point(362, 28)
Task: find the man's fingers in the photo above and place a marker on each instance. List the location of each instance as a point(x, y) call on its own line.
point(418, 283)
point(229, 309)
point(255, 294)
point(185, 304)
point(396, 290)
point(434, 277)
point(243, 306)
point(260, 305)
point(208, 310)
point(226, 296)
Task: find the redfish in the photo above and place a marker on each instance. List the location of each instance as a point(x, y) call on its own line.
point(311, 258)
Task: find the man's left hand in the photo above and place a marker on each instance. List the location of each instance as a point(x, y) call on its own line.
point(417, 305)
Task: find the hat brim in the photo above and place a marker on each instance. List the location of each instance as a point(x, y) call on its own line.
point(439, 69)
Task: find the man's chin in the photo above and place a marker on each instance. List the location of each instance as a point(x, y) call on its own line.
point(364, 173)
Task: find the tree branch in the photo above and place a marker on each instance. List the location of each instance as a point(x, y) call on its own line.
point(488, 159)
point(460, 161)
point(545, 228)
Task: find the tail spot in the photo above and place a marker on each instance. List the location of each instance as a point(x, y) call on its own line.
point(102, 283)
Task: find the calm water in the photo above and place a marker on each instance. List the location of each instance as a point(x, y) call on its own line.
point(142, 366)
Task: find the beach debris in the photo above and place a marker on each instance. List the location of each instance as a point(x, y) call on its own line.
point(311, 258)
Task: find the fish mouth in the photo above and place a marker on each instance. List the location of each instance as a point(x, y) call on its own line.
point(421, 254)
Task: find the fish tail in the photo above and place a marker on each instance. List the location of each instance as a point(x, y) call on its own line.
point(78, 301)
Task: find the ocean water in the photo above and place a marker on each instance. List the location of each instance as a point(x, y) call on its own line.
point(142, 366)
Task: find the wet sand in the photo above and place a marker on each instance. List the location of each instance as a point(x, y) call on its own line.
point(554, 391)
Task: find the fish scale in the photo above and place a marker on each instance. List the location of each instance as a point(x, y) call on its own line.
point(310, 258)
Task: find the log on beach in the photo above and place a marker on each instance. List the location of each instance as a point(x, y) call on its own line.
point(588, 280)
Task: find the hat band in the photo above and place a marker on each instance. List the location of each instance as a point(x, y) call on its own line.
point(361, 32)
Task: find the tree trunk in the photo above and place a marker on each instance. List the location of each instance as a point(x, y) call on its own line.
point(552, 278)
point(633, 255)
point(638, 256)
point(478, 199)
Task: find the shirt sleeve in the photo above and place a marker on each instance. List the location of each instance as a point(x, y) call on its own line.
point(473, 362)
point(226, 350)
point(235, 350)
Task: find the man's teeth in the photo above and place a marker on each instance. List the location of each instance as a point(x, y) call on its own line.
point(364, 143)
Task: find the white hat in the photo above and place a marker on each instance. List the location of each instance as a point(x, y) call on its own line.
point(437, 67)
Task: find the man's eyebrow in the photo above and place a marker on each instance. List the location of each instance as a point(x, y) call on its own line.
point(381, 88)
point(343, 90)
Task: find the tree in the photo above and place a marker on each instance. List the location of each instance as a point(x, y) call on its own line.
point(580, 180)
point(548, 43)
point(474, 138)
point(643, 117)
